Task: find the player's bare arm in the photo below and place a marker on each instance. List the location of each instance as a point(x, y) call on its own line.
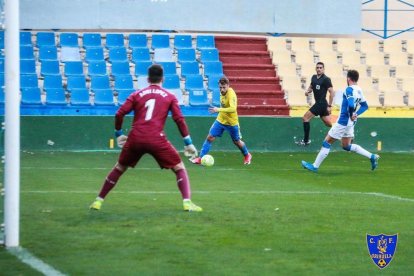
point(308, 91)
point(213, 109)
point(331, 97)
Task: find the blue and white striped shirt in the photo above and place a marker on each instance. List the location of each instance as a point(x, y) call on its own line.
point(353, 100)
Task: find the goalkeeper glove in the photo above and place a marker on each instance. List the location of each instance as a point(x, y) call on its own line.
point(120, 138)
point(189, 149)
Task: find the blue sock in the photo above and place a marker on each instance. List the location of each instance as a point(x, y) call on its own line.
point(244, 150)
point(205, 148)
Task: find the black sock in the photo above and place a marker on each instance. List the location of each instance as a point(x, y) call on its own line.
point(306, 129)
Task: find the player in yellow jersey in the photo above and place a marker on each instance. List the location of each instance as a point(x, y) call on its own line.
point(228, 120)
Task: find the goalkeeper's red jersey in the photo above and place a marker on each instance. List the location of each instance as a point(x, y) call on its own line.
point(151, 106)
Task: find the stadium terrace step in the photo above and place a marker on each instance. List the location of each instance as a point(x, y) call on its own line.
point(241, 40)
point(267, 110)
point(240, 86)
point(245, 54)
point(260, 94)
point(258, 101)
point(248, 65)
point(241, 47)
point(250, 73)
point(248, 60)
point(255, 80)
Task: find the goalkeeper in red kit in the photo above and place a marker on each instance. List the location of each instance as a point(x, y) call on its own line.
point(151, 106)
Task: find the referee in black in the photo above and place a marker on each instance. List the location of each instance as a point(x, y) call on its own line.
point(320, 85)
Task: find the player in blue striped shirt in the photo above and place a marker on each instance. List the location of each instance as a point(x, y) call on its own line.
point(353, 105)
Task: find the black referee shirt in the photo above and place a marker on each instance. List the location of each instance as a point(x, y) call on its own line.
point(320, 86)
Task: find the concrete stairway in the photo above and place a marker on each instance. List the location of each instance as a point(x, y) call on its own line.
point(248, 65)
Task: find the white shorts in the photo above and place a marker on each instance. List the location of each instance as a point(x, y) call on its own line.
point(339, 131)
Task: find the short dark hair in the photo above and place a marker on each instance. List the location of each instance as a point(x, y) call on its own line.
point(320, 63)
point(353, 75)
point(155, 73)
point(224, 80)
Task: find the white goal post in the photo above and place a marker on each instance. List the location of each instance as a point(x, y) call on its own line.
point(12, 124)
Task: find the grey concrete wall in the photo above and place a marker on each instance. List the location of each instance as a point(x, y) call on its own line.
point(259, 16)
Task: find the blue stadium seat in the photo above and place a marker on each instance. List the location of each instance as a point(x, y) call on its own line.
point(140, 54)
point(91, 40)
point(205, 42)
point(26, 52)
point(49, 67)
point(163, 55)
point(45, 39)
point(94, 54)
point(2, 96)
point(189, 68)
point(215, 100)
point(118, 54)
point(123, 94)
point(124, 82)
point(100, 82)
point(212, 82)
point(171, 82)
point(97, 68)
point(183, 42)
point(25, 39)
point(198, 97)
point(194, 82)
point(31, 96)
point(209, 55)
point(2, 65)
point(1, 39)
point(212, 68)
point(47, 53)
point(160, 41)
point(114, 40)
point(55, 96)
point(137, 41)
point(142, 82)
point(27, 66)
point(2, 80)
point(76, 82)
point(120, 68)
point(52, 81)
point(29, 80)
point(69, 40)
point(170, 68)
point(178, 94)
point(104, 97)
point(79, 96)
point(141, 68)
point(186, 55)
point(73, 68)
point(69, 54)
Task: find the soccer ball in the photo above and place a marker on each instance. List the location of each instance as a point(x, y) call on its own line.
point(207, 160)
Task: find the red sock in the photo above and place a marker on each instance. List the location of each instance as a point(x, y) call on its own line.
point(183, 183)
point(110, 182)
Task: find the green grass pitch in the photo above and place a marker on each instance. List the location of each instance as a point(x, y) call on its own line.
point(269, 218)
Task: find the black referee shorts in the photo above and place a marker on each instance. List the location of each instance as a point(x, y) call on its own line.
point(319, 109)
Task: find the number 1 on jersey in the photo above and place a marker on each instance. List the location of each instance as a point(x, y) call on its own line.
point(150, 108)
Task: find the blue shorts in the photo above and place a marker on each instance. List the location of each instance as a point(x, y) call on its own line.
point(218, 128)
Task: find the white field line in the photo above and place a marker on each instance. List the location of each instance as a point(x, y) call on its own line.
point(374, 194)
point(26, 257)
point(155, 168)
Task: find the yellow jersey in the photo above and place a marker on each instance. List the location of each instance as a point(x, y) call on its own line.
point(228, 109)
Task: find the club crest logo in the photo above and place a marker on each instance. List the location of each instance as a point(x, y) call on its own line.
point(382, 248)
